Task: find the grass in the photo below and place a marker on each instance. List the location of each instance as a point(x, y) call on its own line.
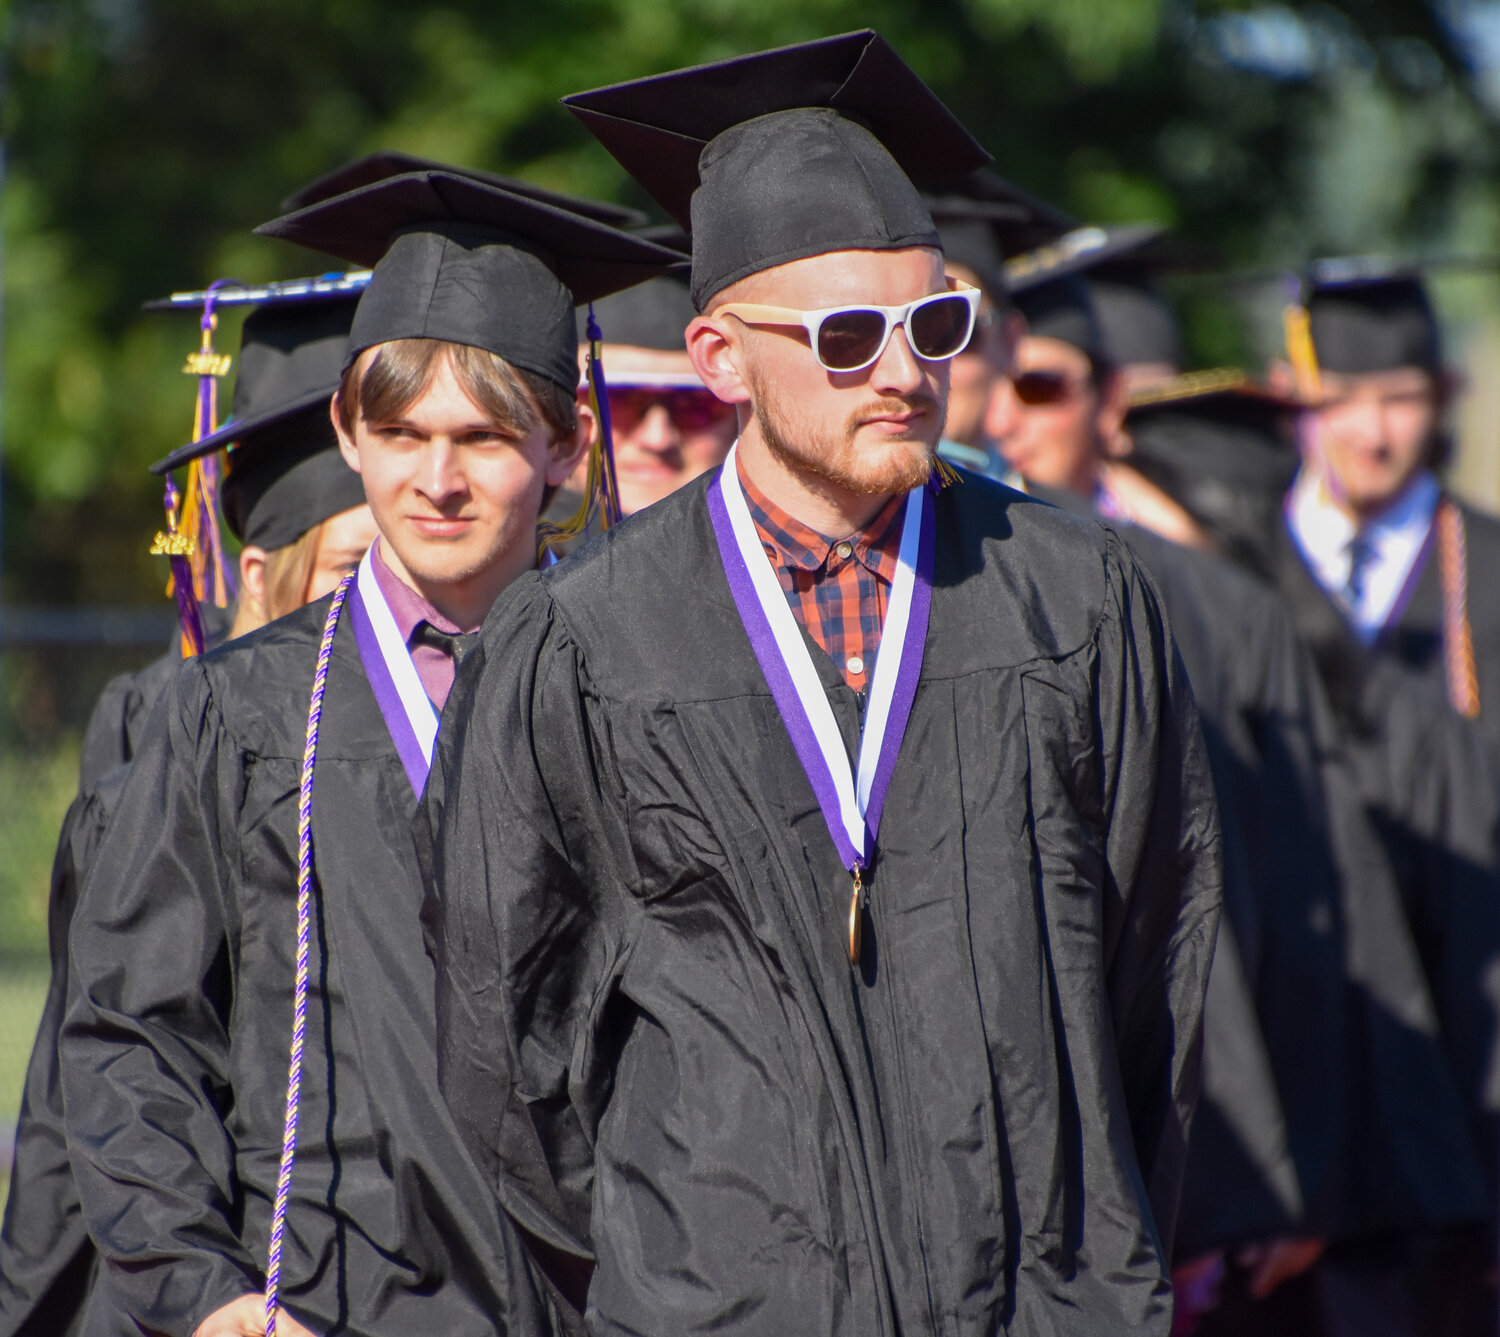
point(35, 790)
point(23, 989)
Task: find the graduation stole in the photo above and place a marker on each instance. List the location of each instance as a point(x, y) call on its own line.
point(851, 801)
point(410, 717)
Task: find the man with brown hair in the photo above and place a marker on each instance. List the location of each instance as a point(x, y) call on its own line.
point(258, 881)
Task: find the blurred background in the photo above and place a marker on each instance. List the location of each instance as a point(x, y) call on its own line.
point(142, 139)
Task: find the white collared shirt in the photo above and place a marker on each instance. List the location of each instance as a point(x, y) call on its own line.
point(1396, 537)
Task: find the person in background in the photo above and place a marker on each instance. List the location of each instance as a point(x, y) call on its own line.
point(300, 511)
point(1276, 1013)
point(981, 219)
point(1393, 549)
point(1414, 811)
point(666, 425)
point(456, 405)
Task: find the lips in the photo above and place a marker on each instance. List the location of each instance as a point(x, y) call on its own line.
point(440, 527)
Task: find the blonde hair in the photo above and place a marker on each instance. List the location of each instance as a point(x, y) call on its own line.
point(289, 571)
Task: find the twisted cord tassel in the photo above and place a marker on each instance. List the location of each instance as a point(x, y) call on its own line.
point(601, 491)
point(1300, 352)
point(304, 933)
point(1458, 635)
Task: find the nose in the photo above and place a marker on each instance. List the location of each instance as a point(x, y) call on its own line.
point(897, 370)
point(656, 430)
point(1002, 414)
point(440, 477)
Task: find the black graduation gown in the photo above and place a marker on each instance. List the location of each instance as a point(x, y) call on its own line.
point(114, 729)
point(175, 1045)
point(1412, 1151)
point(1255, 692)
point(1415, 639)
point(47, 1261)
point(648, 1025)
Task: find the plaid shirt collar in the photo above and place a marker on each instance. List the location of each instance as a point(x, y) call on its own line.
point(793, 544)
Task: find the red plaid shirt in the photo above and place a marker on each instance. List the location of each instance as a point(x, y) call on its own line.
point(837, 588)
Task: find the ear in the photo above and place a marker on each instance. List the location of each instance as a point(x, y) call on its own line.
point(714, 350)
point(1114, 400)
point(564, 454)
point(347, 448)
point(253, 575)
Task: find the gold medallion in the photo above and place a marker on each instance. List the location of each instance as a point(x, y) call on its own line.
point(856, 919)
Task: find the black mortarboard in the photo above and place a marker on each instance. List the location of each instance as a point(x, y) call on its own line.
point(785, 154)
point(1135, 318)
point(1049, 285)
point(1366, 316)
point(1013, 220)
point(1222, 448)
point(471, 263)
point(387, 163)
point(285, 472)
point(654, 314)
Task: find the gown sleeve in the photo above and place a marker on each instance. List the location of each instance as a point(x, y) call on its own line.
point(46, 1257)
point(1163, 878)
point(523, 866)
point(145, 1049)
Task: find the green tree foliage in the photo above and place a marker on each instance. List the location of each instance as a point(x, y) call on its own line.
point(145, 138)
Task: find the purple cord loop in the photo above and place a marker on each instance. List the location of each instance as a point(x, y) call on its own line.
point(304, 934)
point(609, 485)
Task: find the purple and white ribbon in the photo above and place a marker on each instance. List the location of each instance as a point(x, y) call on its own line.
point(851, 801)
point(410, 716)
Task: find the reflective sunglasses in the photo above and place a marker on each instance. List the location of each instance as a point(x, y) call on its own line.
point(851, 338)
point(1038, 388)
point(692, 409)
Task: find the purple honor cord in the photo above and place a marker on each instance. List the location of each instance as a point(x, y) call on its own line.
point(852, 813)
point(304, 934)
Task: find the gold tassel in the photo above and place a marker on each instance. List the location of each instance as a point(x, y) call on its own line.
point(1301, 353)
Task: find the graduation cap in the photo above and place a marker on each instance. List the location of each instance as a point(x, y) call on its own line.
point(1220, 445)
point(285, 472)
point(982, 219)
point(1370, 315)
point(1070, 289)
point(387, 163)
point(473, 263)
point(785, 154)
point(654, 314)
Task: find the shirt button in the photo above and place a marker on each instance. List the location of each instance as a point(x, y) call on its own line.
point(844, 549)
point(855, 665)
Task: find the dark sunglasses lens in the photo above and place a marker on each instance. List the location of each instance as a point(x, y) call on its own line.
point(940, 329)
point(695, 410)
point(1040, 387)
point(690, 410)
point(848, 339)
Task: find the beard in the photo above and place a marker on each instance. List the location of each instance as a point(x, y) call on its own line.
point(830, 455)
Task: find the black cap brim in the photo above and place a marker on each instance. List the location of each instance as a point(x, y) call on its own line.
point(590, 258)
point(383, 165)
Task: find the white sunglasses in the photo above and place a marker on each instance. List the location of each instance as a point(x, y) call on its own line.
point(851, 338)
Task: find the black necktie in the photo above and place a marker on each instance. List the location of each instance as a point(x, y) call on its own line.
point(453, 644)
point(1361, 554)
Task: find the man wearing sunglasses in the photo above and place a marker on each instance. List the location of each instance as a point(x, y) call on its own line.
point(840, 966)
